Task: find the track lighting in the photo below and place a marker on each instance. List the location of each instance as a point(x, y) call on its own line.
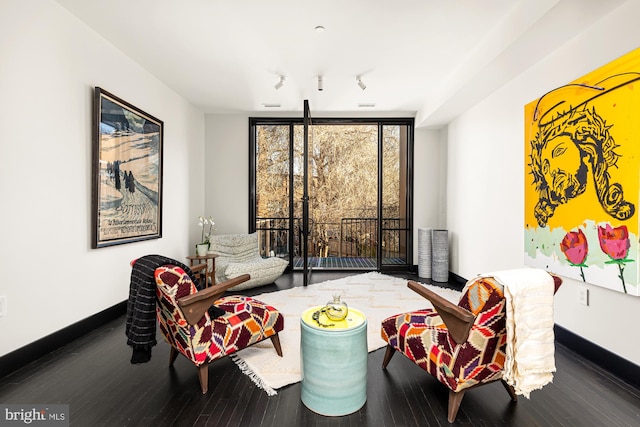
point(320, 82)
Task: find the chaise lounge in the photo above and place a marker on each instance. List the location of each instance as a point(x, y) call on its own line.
point(239, 254)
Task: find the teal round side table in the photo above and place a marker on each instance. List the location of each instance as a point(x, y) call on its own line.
point(333, 362)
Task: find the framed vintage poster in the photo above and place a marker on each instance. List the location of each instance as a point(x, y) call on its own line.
point(127, 172)
point(582, 186)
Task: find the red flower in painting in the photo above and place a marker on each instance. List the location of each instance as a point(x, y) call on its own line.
point(614, 241)
point(575, 247)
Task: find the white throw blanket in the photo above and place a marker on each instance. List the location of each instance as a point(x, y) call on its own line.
point(530, 361)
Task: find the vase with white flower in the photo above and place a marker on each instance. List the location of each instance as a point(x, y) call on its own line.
point(207, 225)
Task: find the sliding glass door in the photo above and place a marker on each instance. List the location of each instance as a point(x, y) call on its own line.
point(358, 176)
point(394, 202)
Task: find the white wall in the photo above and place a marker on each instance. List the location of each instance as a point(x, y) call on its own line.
point(227, 171)
point(486, 181)
point(429, 176)
point(227, 184)
point(49, 64)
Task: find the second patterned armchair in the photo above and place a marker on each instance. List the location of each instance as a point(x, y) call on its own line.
point(461, 345)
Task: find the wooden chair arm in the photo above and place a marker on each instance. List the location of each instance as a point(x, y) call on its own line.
point(195, 305)
point(458, 320)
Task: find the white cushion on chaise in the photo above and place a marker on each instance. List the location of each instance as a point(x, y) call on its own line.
point(239, 254)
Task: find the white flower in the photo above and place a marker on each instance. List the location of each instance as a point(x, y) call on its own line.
point(207, 232)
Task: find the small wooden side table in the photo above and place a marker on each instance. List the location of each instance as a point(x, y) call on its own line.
point(210, 274)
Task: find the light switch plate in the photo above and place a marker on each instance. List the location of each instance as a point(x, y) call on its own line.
point(3, 306)
point(583, 295)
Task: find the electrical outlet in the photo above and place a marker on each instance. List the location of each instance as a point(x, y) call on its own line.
point(3, 306)
point(583, 295)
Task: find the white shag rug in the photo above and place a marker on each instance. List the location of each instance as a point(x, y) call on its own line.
point(377, 295)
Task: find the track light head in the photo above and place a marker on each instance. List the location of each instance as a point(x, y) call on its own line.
point(320, 83)
point(280, 83)
point(361, 83)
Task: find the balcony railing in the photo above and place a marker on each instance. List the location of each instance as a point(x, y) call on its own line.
point(352, 237)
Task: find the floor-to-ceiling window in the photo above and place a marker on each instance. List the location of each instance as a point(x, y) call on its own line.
point(359, 176)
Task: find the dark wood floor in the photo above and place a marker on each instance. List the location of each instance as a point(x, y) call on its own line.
point(93, 375)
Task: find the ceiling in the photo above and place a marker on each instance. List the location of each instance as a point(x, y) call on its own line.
point(431, 59)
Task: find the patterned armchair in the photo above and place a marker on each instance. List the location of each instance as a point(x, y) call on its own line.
point(462, 345)
point(187, 323)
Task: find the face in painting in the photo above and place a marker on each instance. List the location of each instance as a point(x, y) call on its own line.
point(563, 169)
point(574, 147)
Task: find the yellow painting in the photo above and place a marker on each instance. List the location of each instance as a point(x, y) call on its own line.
point(582, 175)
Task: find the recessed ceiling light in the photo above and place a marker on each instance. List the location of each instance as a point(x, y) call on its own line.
point(271, 105)
point(319, 29)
